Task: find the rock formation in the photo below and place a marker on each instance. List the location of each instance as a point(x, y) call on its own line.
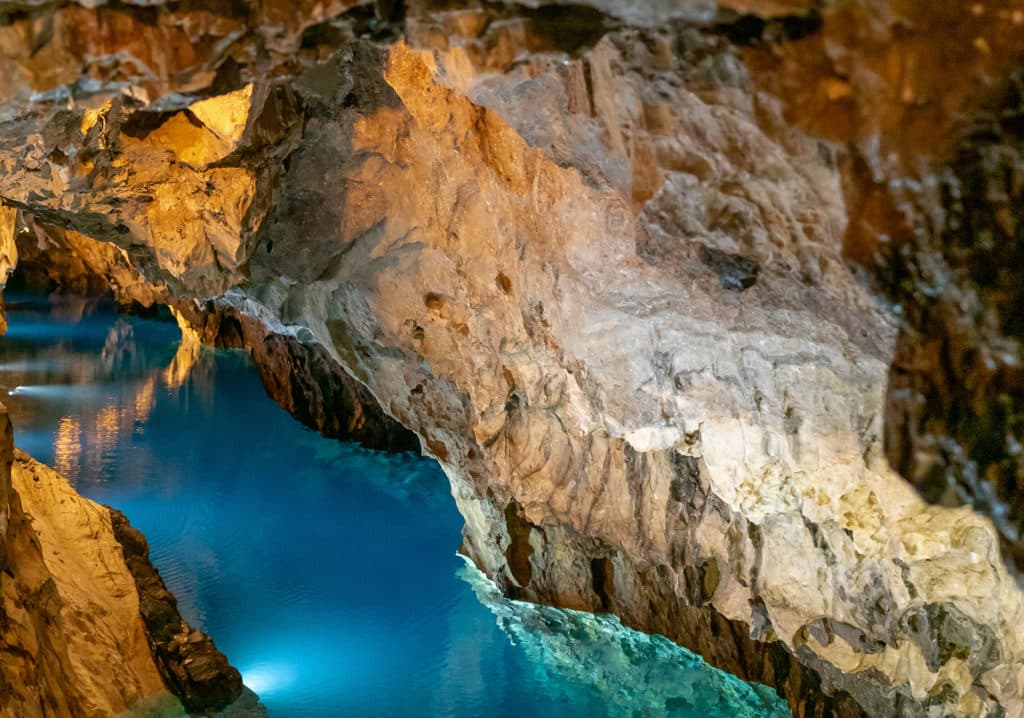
point(87, 627)
point(933, 185)
point(596, 651)
point(602, 270)
point(189, 664)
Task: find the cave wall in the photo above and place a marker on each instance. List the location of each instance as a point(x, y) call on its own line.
point(603, 278)
point(955, 410)
point(926, 98)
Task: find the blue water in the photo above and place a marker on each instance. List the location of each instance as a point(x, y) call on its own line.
point(327, 573)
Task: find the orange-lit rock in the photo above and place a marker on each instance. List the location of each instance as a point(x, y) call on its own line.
point(8, 255)
point(8, 248)
point(207, 131)
point(96, 632)
point(76, 637)
point(601, 275)
point(72, 635)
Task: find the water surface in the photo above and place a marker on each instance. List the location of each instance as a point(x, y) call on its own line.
point(327, 573)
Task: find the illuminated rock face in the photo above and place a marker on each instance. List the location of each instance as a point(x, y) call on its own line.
point(74, 642)
point(88, 626)
point(602, 279)
point(933, 189)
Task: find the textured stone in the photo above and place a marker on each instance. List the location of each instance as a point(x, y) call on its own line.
point(928, 97)
point(301, 375)
point(603, 280)
point(6, 459)
point(71, 638)
point(189, 663)
point(956, 392)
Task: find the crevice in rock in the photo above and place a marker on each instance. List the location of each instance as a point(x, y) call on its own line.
point(519, 549)
point(735, 272)
point(602, 577)
point(751, 29)
point(568, 28)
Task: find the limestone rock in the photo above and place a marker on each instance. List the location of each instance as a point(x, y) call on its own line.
point(955, 408)
point(190, 665)
point(928, 95)
point(602, 279)
point(86, 626)
point(72, 640)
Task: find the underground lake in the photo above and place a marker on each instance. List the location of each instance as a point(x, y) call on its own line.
point(326, 572)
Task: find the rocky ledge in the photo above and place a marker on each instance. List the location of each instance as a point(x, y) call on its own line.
point(596, 267)
point(191, 666)
point(87, 627)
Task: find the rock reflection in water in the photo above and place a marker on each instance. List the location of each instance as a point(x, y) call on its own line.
point(114, 409)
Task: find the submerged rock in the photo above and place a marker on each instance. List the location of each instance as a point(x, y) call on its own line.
point(597, 650)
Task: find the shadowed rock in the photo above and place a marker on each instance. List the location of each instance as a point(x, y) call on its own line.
point(190, 664)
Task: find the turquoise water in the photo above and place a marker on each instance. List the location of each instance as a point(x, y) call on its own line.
point(327, 573)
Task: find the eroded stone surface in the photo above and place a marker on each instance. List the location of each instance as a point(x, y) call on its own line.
point(602, 279)
point(928, 97)
point(72, 641)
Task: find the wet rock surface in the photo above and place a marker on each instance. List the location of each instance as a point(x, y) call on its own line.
point(605, 279)
point(576, 644)
point(189, 663)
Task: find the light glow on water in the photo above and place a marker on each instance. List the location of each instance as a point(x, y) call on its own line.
point(325, 572)
point(53, 392)
point(269, 679)
point(37, 365)
point(61, 392)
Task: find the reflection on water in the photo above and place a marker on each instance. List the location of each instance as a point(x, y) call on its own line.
point(67, 447)
point(326, 572)
point(180, 368)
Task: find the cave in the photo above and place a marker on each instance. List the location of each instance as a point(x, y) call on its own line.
point(536, 358)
